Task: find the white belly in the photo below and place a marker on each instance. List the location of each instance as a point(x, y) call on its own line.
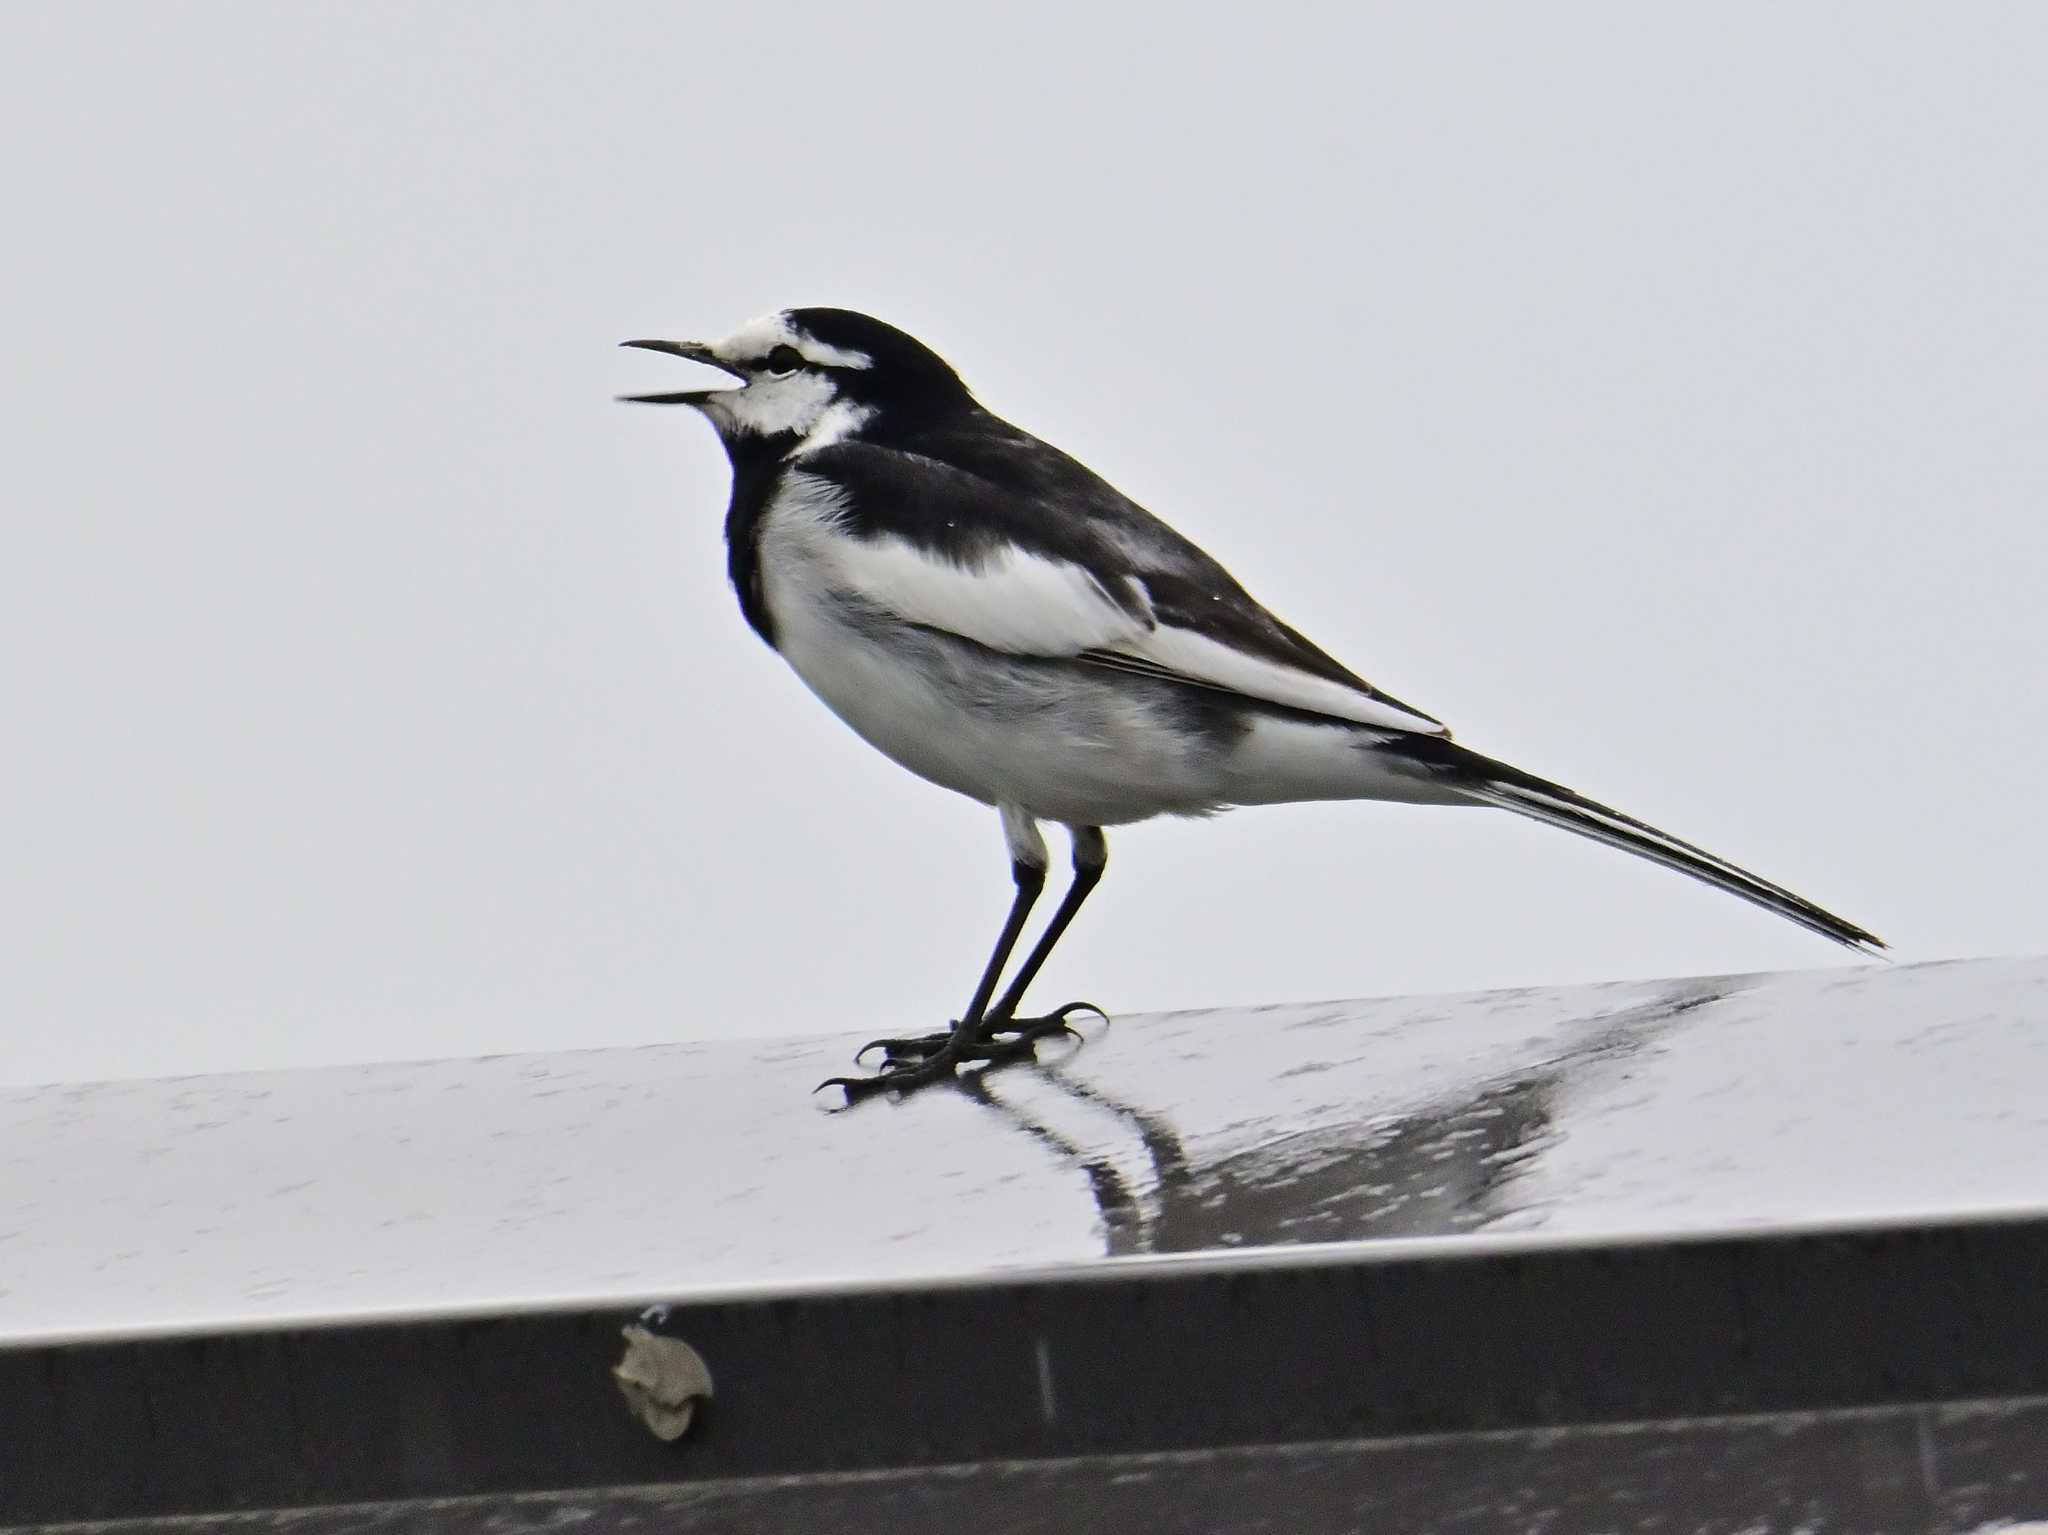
point(987, 728)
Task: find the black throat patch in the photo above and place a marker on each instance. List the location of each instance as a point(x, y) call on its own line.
point(757, 464)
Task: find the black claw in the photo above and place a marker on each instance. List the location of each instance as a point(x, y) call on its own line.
point(855, 1088)
point(1049, 1024)
point(901, 1079)
point(920, 1045)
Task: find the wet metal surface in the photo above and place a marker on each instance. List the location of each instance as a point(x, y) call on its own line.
point(1623, 1110)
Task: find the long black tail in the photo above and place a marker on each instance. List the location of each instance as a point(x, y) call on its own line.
point(1496, 783)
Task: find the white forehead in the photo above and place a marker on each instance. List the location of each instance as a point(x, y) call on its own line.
point(759, 337)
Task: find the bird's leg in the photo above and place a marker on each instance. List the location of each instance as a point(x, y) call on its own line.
point(1091, 858)
point(1001, 1028)
point(963, 1042)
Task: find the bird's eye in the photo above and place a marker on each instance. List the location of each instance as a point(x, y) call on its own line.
point(784, 359)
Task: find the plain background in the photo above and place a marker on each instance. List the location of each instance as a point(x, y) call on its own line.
point(1654, 393)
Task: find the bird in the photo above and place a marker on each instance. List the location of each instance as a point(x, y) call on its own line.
point(997, 618)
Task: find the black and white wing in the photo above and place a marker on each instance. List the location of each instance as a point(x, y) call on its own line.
point(1004, 540)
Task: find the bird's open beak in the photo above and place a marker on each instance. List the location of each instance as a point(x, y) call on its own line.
point(695, 351)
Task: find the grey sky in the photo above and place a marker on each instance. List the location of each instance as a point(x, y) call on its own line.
point(1656, 396)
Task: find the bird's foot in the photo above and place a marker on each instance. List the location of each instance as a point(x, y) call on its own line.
point(997, 1032)
point(938, 1067)
point(911, 1063)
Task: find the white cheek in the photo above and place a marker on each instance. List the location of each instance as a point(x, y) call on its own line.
point(768, 407)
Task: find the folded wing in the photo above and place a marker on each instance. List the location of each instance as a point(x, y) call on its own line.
point(1090, 577)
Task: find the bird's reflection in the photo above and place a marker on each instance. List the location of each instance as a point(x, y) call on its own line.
point(1122, 1219)
point(1445, 1167)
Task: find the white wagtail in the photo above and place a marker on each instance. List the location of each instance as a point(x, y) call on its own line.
point(1001, 621)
